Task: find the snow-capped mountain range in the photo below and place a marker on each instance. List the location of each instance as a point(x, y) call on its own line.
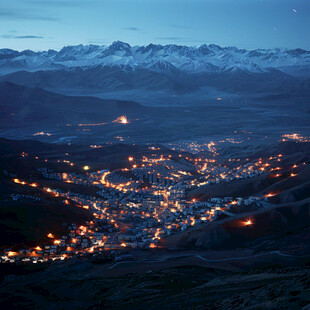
point(158, 58)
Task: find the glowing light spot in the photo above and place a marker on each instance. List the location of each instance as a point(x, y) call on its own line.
point(234, 202)
point(86, 168)
point(50, 235)
point(248, 222)
point(121, 120)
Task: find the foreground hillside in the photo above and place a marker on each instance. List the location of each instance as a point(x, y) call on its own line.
point(175, 288)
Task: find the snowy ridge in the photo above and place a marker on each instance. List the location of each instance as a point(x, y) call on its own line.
point(158, 58)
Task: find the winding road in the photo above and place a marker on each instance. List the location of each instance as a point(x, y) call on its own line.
point(207, 259)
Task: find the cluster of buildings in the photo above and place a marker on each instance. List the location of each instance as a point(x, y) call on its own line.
point(138, 206)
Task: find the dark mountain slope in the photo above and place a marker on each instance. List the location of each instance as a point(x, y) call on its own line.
point(272, 223)
point(21, 105)
point(121, 78)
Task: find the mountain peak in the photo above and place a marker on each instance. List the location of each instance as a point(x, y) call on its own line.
point(118, 42)
point(119, 45)
point(156, 57)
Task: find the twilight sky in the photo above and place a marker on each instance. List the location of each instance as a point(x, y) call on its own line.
point(45, 24)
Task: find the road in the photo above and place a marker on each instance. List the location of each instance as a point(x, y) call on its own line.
point(205, 259)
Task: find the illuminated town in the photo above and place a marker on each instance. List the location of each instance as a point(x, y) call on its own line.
point(135, 207)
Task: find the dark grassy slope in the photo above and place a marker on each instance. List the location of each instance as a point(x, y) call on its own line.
point(107, 157)
point(190, 287)
point(30, 222)
point(27, 221)
point(288, 189)
point(269, 224)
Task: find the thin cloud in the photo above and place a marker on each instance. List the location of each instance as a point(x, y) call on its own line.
point(10, 36)
point(131, 28)
point(25, 15)
point(29, 37)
